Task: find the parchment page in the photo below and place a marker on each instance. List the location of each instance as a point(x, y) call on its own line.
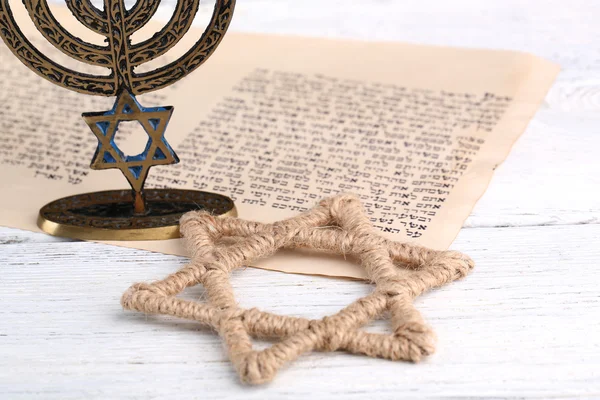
point(278, 123)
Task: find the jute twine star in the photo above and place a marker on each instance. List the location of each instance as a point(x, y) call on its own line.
point(400, 272)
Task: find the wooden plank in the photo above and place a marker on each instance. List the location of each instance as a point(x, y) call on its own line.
point(546, 179)
point(525, 324)
point(12, 236)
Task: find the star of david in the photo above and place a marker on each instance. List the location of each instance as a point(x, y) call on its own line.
point(399, 271)
point(154, 120)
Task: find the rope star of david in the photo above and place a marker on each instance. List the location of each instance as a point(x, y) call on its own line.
point(400, 272)
point(154, 120)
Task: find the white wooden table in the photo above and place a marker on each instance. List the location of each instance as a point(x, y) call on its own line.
point(526, 323)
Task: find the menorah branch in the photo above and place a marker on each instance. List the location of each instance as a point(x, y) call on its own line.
point(74, 47)
point(44, 67)
point(140, 14)
point(119, 43)
point(193, 58)
point(172, 32)
point(89, 16)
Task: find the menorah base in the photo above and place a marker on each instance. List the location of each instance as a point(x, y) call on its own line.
point(110, 215)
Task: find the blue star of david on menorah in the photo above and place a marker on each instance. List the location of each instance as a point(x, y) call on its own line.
point(108, 155)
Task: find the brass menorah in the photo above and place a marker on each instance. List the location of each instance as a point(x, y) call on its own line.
point(135, 214)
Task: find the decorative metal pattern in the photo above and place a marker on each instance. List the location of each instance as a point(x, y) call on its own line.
point(117, 24)
point(121, 57)
point(89, 16)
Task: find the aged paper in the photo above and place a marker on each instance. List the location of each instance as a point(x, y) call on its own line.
point(280, 122)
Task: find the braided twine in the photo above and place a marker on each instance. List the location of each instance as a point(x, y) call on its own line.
point(399, 271)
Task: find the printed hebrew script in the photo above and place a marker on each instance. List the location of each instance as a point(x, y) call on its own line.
point(284, 140)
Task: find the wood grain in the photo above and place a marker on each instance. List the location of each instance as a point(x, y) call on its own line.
point(525, 324)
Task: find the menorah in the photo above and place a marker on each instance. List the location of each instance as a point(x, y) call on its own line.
point(135, 214)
